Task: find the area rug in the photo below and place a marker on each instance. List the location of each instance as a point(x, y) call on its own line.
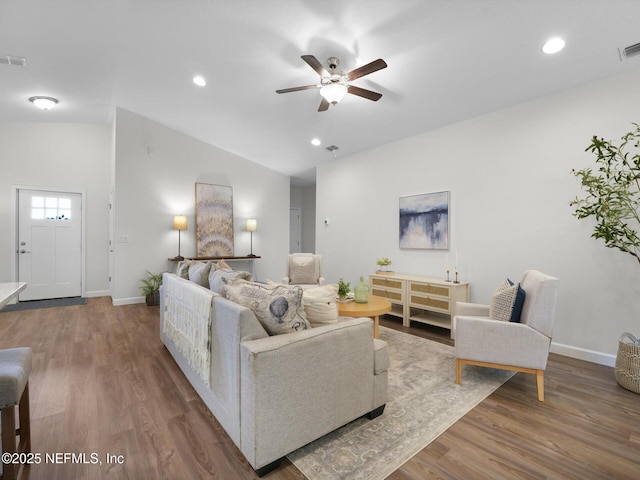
point(56, 302)
point(424, 401)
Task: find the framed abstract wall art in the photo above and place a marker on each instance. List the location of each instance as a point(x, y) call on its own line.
point(214, 220)
point(424, 221)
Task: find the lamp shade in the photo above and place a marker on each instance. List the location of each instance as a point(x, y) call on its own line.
point(180, 222)
point(252, 225)
point(333, 92)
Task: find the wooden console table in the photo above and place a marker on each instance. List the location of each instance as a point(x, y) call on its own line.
point(420, 299)
point(248, 257)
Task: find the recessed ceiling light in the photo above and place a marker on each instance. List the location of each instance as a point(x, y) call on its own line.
point(200, 81)
point(316, 142)
point(553, 45)
point(45, 103)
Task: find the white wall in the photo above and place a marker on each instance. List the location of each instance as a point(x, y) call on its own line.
point(151, 188)
point(61, 156)
point(305, 199)
point(509, 174)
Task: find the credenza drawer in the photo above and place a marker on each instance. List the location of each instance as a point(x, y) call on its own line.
point(390, 294)
point(386, 282)
point(430, 289)
point(439, 303)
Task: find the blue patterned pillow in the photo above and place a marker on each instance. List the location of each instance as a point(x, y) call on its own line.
point(507, 301)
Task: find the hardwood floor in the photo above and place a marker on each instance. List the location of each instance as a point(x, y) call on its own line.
point(103, 383)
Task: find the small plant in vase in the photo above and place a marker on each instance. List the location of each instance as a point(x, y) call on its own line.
point(344, 288)
point(383, 264)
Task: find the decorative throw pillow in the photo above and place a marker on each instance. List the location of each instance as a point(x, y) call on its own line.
point(218, 277)
point(278, 308)
point(320, 305)
point(507, 301)
point(303, 269)
point(182, 270)
point(199, 273)
point(223, 264)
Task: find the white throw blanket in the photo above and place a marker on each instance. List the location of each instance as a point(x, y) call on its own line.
point(187, 322)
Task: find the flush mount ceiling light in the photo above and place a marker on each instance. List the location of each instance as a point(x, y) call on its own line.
point(200, 81)
point(316, 142)
point(553, 45)
point(45, 103)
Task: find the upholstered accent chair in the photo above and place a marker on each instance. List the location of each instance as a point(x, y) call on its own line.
point(304, 269)
point(521, 346)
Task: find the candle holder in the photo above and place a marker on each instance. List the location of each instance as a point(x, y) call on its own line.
point(456, 280)
point(448, 280)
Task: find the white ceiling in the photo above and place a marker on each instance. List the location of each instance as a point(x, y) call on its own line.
point(448, 60)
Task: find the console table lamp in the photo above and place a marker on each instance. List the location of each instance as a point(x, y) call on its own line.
point(179, 223)
point(252, 226)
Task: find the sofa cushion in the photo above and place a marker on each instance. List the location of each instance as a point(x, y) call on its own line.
point(303, 269)
point(278, 308)
point(507, 301)
point(218, 276)
point(182, 269)
point(320, 304)
point(199, 273)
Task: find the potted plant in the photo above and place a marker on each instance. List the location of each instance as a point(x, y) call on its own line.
point(383, 263)
point(613, 200)
point(343, 289)
point(151, 288)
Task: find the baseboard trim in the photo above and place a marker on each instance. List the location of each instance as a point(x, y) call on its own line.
point(127, 301)
point(584, 354)
point(97, 293)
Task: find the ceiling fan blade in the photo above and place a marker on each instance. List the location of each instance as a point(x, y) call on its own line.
point(315, 64)
point(297, 89)
point(361, 92)
point(324, 105)
point(366, 69)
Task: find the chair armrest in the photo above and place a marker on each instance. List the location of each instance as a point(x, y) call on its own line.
point(472, 309)
point(321, 281)
point(504, 343)
point(468, 309)
point(286, 281)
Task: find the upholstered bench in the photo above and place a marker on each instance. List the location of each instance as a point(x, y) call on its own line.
point(15, 368)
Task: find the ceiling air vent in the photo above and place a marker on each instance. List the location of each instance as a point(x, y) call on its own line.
point(630, 51)
point(13, 60)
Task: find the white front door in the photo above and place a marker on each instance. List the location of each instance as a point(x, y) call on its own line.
point(49, 244)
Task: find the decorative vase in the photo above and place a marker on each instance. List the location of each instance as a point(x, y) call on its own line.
point(361, 291)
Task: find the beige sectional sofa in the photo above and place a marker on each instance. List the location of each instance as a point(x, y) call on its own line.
point(272, 394)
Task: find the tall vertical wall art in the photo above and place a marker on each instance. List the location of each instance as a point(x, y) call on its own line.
point(214, 220)
point(424, 221)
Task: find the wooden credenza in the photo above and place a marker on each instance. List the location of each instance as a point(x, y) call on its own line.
point(420, 299)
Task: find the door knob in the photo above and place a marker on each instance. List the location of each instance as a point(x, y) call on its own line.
point(24, 251)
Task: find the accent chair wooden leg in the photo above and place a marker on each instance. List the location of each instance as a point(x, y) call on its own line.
point(540, 384)
point(458, 371)
point(25, 421)
point(9, 440)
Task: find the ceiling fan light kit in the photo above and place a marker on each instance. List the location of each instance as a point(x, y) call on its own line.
point(335, 84)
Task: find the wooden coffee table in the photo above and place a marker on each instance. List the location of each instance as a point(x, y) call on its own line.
point(373, 309)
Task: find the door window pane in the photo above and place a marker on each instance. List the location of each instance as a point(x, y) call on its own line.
point(51, 208)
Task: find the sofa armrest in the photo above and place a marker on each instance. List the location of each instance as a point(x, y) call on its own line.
point(286, 281)
point(297, 387)
point(504, 343)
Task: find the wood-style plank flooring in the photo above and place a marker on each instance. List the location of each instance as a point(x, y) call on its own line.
point(103, 383)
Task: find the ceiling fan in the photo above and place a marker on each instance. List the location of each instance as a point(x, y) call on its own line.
point(335, 84)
